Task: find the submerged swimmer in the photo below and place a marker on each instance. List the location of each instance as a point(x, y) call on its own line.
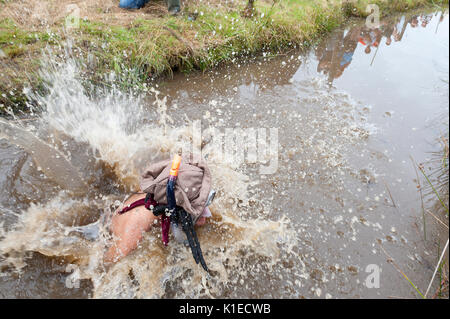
point(177, 194)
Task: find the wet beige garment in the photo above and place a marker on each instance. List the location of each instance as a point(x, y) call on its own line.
point(192, 187)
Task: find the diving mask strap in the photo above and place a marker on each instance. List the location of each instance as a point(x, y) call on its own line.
point(148, 202)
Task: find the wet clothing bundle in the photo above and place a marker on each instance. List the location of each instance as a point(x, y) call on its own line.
point(191, 193)
point(192, 188)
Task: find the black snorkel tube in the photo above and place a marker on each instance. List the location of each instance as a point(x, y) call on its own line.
point(170, 190)
point(179, 216)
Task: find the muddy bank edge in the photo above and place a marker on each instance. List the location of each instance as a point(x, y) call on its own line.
point(203, 36)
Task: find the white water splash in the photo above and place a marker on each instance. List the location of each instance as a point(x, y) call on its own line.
point(126, 134)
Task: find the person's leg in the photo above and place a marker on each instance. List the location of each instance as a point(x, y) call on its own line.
point(128, 229)
point(173, 6)
point(132, 4)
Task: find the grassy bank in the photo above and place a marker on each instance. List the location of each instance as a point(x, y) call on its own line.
point(148, 43)
point(434, 176)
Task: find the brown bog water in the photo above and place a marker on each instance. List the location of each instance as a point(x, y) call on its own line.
point(311, 154)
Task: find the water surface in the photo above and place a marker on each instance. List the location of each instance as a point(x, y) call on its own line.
point(350, 115)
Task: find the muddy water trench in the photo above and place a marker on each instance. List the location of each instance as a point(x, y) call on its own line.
point(315, 183)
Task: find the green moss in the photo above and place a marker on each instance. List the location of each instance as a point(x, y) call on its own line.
point(14, 41)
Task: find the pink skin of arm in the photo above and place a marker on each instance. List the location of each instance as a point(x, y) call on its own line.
point(129, 227)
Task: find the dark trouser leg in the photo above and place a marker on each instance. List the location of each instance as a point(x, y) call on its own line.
point(132, 4)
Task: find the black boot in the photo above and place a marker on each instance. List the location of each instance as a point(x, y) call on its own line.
point(173, 7)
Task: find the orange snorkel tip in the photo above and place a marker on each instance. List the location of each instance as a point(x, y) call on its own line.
point(175, 165)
